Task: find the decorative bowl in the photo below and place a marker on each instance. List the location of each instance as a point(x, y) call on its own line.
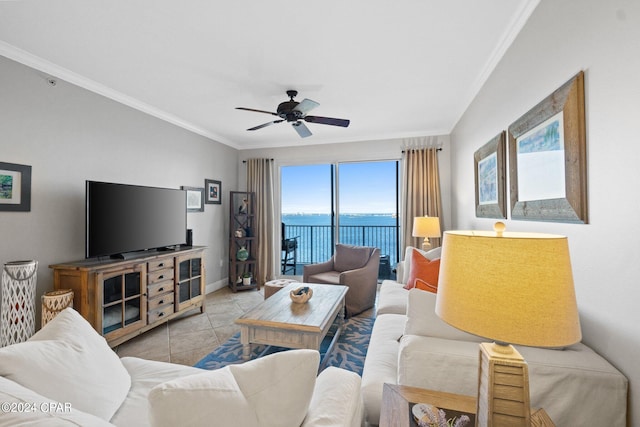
point(301, 295)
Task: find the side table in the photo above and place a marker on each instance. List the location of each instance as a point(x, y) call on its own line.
point(395, 410)
point(273, 286)
point(396, 399)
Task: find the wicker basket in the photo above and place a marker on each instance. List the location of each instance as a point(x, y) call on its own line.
point(54, 302)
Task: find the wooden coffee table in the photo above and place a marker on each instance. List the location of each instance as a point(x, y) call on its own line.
point(279, 321)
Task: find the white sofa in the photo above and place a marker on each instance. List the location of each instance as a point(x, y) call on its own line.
point(66, 375)
point(411, 345)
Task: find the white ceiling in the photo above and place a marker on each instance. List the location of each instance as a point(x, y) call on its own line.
point(394, 68)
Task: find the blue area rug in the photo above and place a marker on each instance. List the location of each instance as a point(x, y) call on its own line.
point(348, 352)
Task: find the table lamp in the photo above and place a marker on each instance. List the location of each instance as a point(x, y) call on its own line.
point(513, 288)
point(426, 226)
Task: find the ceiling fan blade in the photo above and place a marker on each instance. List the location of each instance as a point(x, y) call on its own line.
point(264, 125)
point(327, 121)
point(257, 111)
point(302, 129)
point(306, 105)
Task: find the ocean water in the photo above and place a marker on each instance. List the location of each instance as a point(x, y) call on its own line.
point(345, 219)
point(316, 240)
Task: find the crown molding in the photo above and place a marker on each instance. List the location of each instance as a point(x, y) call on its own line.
point(54, 70)
point(512, 30)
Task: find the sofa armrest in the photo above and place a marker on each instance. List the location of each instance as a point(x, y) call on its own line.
point(575, 386)
point(400, 266)
point(438, 364)
point(358, 275)
point(311, 269)
point(336, 401)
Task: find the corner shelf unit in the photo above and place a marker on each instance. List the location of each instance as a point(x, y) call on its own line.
point(242, 236)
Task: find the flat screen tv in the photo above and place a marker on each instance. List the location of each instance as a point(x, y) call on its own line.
point(121, 219)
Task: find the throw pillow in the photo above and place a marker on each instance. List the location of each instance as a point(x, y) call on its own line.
point(348, 257)
point(422, 269)
point(406, 264)
point(212, 397)
point(422, 319)
point(279, 387)
point(425, 286)
point(69, 362)
point(272, 391)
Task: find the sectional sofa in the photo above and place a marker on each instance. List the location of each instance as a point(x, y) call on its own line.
point(66, 375)
point(411, 345)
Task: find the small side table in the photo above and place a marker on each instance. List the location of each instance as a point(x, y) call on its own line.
point(395, 410)
point(273, 286)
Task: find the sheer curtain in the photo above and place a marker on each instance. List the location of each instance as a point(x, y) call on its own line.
point(420, 190)
point(261, 180)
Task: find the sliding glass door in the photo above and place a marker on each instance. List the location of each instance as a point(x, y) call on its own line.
point(352, 203)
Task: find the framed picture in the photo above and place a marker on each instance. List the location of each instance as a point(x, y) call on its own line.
point(490, 178)
point(548, 158)
point(15, 187)
point(195, 199)
point(213, 192)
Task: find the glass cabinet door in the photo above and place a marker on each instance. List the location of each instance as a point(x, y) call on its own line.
point(190, 280)
point(122, 301)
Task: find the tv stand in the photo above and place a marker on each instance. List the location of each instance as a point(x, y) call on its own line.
point(122, 298)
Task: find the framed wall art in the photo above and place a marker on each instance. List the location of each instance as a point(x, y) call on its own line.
point(213, 191)
point(490, 178)
point(548, 158)
point(195, 199)
point(15, 187)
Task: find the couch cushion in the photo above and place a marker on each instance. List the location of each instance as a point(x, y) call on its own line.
point(422, 270)
point(145, 374)
point(68, 361)
point(348, 257)
point(392, 298)
point(274, 390)
point(406, 267)
point(40, 411)
point(422, 319)
point(331, 277)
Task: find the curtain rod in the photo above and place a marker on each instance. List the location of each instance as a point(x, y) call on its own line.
point(437, 149)
point(244, 161)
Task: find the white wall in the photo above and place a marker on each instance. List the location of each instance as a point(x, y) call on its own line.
point(561, 38)
point(390, 149)
point(69, 135)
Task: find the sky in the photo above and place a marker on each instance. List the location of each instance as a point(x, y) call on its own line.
point(364, 187)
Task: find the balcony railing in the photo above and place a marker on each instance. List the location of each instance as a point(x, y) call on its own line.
point(316, 242)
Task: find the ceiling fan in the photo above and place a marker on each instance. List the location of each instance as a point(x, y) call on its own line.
point(295, 112)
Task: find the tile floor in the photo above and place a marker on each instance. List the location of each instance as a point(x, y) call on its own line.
point(189, 338)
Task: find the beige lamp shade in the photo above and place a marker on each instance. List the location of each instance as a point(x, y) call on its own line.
point(515, 288)
point(426, 226)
